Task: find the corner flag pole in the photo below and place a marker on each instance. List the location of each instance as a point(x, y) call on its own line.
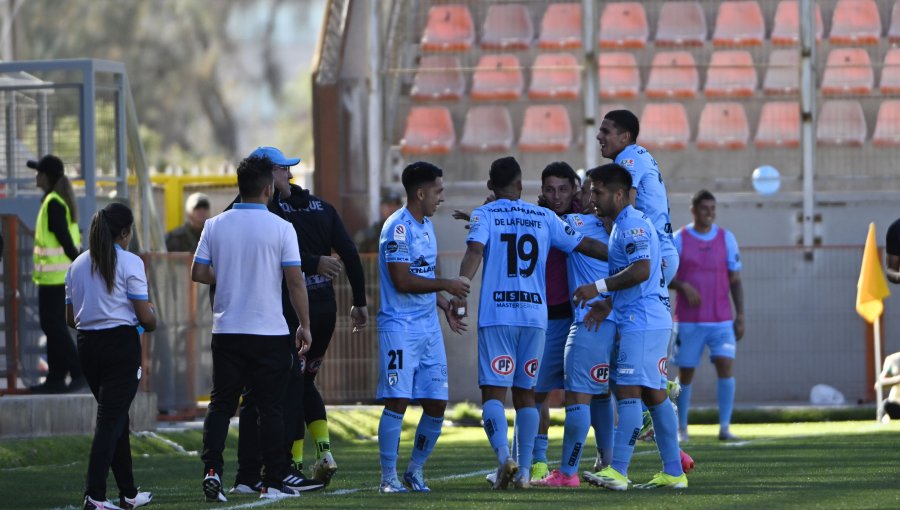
point(879, 391)
point(871, 291)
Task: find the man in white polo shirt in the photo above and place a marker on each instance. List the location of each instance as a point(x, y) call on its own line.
point(245, 252)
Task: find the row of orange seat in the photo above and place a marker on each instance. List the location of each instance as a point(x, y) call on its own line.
point(722, 125)
point(731, 73)
point(624, 25)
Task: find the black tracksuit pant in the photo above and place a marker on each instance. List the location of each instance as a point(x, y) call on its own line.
point(62, 359)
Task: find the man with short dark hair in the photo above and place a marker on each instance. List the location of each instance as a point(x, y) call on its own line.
point(186, 237)
point(246, 251)
point(640, 300)
point(413, 362)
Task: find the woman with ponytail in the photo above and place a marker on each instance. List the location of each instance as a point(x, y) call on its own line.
point(106, 302)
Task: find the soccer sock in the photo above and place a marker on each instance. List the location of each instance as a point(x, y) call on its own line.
point(528, 420)
point(297, 452)
point(666, 426)
point(540, 448)
point(684, 403)
point(427, 434)
point(389, 443)
point(626, 433)
point(496, 428)
point(725, 394)
point(319, 432)
point(603, 419)
point(578, 421)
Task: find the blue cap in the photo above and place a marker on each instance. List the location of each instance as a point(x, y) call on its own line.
point(275, 155)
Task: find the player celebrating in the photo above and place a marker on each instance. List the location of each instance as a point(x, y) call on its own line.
point(710, 268)
point(514, 237)
point(640, 302)
point(618, 141)
point(413, 360)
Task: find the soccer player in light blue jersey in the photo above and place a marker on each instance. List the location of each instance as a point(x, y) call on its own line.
point(587, 360)
point(618, 136)
point(413, 362)
point(640, 300)
point(513, 237)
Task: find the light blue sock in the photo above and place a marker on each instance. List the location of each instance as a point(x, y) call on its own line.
point(527, 419)
point(578, 422)
point(427, 434)
point(603, 418)
point(495, 426)
point(540, 448)
point(666, 426)
point(627, 432)
point(725, 394)
point(684, 403)
point(389, 443)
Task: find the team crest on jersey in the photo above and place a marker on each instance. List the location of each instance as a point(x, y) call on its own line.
point(474, 219)
point(502, 365)
point(663, 366)
point(392, 378)
point(626, 162)
point(600, 373)
point(578, 222)
point(400, 233)
point(531, 367)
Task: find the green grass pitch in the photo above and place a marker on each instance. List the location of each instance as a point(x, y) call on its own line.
point(853, 465)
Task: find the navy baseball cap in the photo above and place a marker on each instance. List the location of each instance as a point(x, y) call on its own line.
point(275, 155)
point(49, 164)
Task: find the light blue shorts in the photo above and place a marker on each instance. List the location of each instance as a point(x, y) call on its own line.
point(412, 367)
point(691, 338)
point(588, 355)
point(642, 359)
point(509, 355)
point(550, 376)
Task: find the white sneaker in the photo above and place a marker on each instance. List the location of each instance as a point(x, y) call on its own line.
point(139, 499)
point(279, 492)
point(243, 488)
point(324, 469)
point(491, 478)
point(96, 504)
point(212, 488)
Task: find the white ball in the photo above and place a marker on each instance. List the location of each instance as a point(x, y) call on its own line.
point(766, 180)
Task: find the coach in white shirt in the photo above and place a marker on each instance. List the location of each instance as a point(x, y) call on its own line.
point(245, 252)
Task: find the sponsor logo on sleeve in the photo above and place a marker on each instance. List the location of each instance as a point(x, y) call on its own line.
point(636, 232)
point(502, 365)
point(400, 233)
point(577, 220)
point(391, 247)
point(570, 230)
point(627, 162)
point(629, 248)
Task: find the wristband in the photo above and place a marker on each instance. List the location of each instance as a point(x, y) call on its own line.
point(461, 311)
point(601, 285)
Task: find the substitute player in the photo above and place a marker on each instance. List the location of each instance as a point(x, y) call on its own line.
point(641, 304)
point(617, 137)
point(514, 238)
point(413, 362)
point(710, 270)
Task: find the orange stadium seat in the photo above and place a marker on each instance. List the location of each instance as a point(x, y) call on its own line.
point(890, 73)
point(439, 77)
point(507, 27)
point(723, 126)
point(894, 31)
point(664, 126)
point(623, 25)
point(848, 71)
point(887, 127)
point(731, 73)
point(855, 22)
point(786, 29)
point(449, 28)
point(782, 75)
point(618, 75)
point(487, 129)
point(497, 77)
point(681, 24)
point(841, 123)
point(672, 74)
point(555, 76)
point(739, 24)
point(429, 130)
point(561, 27)
point(779, 125)
point(546, 129)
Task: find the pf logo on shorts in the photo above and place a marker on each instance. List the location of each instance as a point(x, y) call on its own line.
point(600, 373)
point(531, 367)
point(663, 366)
point(502, 365)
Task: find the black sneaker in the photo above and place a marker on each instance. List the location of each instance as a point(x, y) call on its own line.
point(300, 483)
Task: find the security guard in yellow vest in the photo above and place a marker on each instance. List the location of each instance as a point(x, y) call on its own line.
point(57, 242)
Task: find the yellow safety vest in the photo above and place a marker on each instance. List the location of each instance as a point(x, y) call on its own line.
point(50, 260)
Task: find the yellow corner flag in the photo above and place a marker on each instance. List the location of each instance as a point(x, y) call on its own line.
point(872, 287)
